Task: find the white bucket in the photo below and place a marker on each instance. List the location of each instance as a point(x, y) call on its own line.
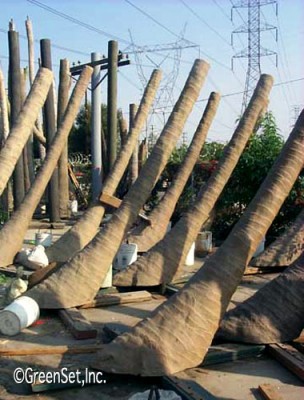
point(20, 314)
point(203, 243)
point(45, 239)
point(108, 279)
point(126, 255)
point(74, 206)
point(260, 248)
point(190, 257)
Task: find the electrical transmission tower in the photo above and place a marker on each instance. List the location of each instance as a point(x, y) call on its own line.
point(254, 51)
point(166, 56)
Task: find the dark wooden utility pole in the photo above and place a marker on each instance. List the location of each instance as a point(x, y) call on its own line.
point(50, 130)
point(63, 175)
point(14, 91)
point(112, 102)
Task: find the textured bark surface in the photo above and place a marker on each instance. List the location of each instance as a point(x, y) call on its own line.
point(179, 332)
point(162, 262)
point(63, 175)
point(78, 280)
point(147, 235)
point(86, 227)
point(286, 248)
point(13, 232)
point(274, 314)
point(4, 121)
point(133, 171)
point(23, 127)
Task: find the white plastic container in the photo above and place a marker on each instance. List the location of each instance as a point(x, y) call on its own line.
point(20, 314)
point(126, 255)
point(260, 248)
point(74, 206)
point(43, 238)
point(190, 257)
point(108, 279)
point(203, 243)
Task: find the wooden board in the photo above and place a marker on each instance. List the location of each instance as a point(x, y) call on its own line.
point(6, 351)
point(231, 352)
point(269, 392)
point(289, 357)
point(109, 200)
point(119, 298)
point(77, 324)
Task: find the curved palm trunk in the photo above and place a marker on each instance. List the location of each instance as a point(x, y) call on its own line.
point(179, 332)
point(23, 127)
point(79, 279)
point(13, 232)
point(274, 314)
point(146, 236)
point(87, 226)
point(163, 261)
point(286, 248)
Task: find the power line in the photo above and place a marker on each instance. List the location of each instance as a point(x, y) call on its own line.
point(152, 18)
point(77, 21)
point(242, 92)
point(204, 22)
point(56, 46)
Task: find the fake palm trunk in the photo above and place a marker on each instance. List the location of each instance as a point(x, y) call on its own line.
point(274, 314)
point(23, 127)
point(78, 280)
point(147, 235)
point(179, 332)
point(87, 226)
point(13, 232)
point(160, 265)
point(286, 248)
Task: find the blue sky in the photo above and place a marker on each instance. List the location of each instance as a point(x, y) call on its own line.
point(205, 23)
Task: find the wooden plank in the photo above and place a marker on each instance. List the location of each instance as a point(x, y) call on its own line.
point(188, 390)
point(77, 324)
point(289, 357)
point(109, 200)
point(5, 351)
point(263, 270)
point(269, 392)
point(119, 298)
point(231, 352)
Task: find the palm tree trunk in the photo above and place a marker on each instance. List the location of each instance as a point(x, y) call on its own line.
point(12, 234)
point(133, 172)
point(146, 236)
point(142, 154)
point(79, 279)
point(4, 131)
point(123, 130)
point(158, 265)
point(286, 248)
point(87, 226)
point(179, 332)
point(274, 314)
point(23, 127)
point(31, 63)
point(63, 176)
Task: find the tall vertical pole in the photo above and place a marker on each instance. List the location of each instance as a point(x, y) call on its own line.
point(14, 87)
point(50, 130)
point(96, 129)
point(63, 176)
point(134, 160)
point(112, 101)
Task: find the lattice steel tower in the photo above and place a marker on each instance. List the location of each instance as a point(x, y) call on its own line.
point(254, 51)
